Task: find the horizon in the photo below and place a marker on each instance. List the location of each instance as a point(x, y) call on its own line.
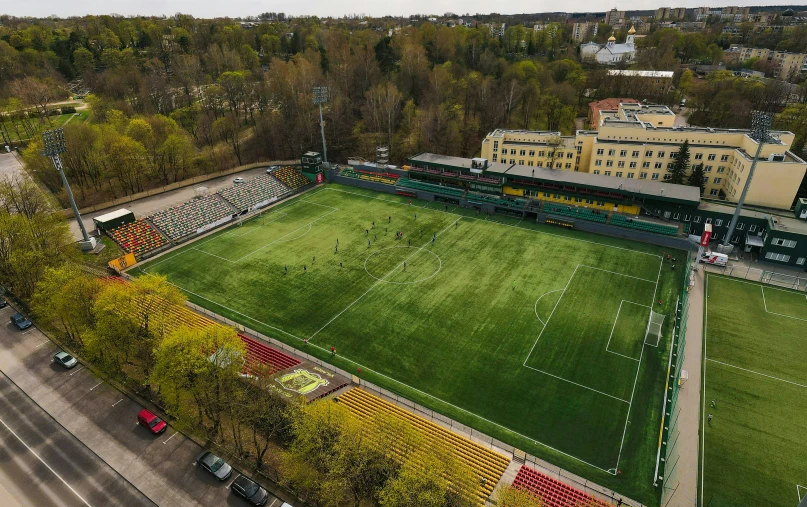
point(326, 9)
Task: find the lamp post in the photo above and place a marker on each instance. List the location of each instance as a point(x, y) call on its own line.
point(760, 132)
point(54, 145)
point(321, 97)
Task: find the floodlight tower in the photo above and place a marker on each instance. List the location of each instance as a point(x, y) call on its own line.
point(54, 145)
point(760, 132)
point(321, 97)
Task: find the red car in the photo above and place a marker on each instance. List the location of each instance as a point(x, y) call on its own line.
point(152, 422)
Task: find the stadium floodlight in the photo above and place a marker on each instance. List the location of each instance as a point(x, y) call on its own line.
point(54, 145)
point(321, 97)
point(760, 132)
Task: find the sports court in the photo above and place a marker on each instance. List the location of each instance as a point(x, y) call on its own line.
point(755, 350)
point(534, 335)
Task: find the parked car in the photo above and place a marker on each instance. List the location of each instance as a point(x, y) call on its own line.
point(238, 180)
point(21, 322)
point(272, 168)
point(64, 359)
point(249, 490)
point(215, 465)
point(149, 419)
point(3, 303)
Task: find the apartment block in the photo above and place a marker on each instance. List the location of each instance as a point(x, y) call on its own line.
point(786, 65)
point(640, 142)
point(614, 17)
point(670, 13)
point(583, 31)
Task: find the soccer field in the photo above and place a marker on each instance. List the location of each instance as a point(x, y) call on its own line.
point(534, 335)
point(755, 349)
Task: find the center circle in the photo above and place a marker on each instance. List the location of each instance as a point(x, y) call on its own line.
point(403, 257)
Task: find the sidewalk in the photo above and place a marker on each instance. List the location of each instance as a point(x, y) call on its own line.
point(689, 402)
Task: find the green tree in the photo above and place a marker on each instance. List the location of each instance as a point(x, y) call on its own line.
point(64, 300)
point(794, 118)
point(508, 496)
point(681, 164)
point(695, 178)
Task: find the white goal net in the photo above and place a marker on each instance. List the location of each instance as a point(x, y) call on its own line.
point(654, 325)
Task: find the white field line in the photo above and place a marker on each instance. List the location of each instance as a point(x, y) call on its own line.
point(703, 388)
point(541, 297)
point(43, 462)
point(658, 339)
point(281, 237)
point(550, 314)
point(779, 314)
point(506, 225)
point(638, 369)
point(757, 373)
point(580, 385)
point(620, 274)
point(799, 487)
point(614, 327)
point(393, 270)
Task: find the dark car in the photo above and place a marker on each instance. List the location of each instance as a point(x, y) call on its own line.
point(3, 303)
point(21, 322)
point(215, 465)
point(149, 419)
point(249, 490)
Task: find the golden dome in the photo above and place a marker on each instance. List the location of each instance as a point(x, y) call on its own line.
point(632, 30)
point(611, 38)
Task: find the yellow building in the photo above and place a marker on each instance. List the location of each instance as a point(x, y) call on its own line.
point(634, 145)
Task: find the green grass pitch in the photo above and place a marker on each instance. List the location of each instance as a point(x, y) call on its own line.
point(532, 334)
point(754, 449)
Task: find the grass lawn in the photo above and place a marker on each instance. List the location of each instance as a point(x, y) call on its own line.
point(753, 451)
point(531, 334)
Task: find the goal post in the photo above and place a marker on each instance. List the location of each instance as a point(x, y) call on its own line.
point(652, 334)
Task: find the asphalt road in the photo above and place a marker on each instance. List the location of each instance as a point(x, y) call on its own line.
point(86, 432)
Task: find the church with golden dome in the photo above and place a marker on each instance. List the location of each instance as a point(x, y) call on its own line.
point(611, 53)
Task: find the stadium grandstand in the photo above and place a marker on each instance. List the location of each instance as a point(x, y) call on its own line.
point(552, 492)
point(291, 177)
point(254, 193)
point(137, 237)
point(363, 174)
point(192, 217)
point(488, 464)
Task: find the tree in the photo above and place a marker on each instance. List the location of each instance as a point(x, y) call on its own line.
point(228, 129)
point(64, 300)
point(681, 164)
point(695, 179)
point(508, 496)
point(794, 119)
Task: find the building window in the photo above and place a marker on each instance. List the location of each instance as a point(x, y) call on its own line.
point(655, 176)
point(608, 173)
point(686, 218)
point(721, 169)
point(711, 156)
point(699, 156)
point(661, 154)
point(800, 261)
point(570, 154)
point(705, 180)
point(539, 164)
point(708, 220)
point(673, 154)
point(657, 165)
point(623, 153)
point(611, 153)
point(630, 176)
point(522, 152)
point(648, 153)
point(773, 256)
point(718, 222)
point(676, 216)
point(707, 169)
point(589, 201)
point(789, 243)
point(568, 165)
point(645, 165)
point(597, 162)
point(717, 180)
point(494, 157)
point(642, 176)
point(619, 174)
point(670, 165)
point(495, 145)
point(567, 198)
point(724, 158)
point(513, 161)
point(609, 163)
point(596, 171)
point(520, 162)
point(753, 228)
point(713, 191)
point(512, 152)
point(600, 151)
point(621, 163)
point(578, 199)
point(530, 163)
point(541, 153)
point(635, 154)
point(633, 165)
point(667, 177)
point(532, 153)
point(697, 220)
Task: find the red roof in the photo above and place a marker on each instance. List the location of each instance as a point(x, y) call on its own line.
point(606, 105)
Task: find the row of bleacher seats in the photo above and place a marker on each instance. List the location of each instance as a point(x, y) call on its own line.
point(183, 220)
point(252, 191)
point(429, 187)
point(260, 353)
point(576, 212)
point(552, 492)
point(386, 178)
point(501, 201)
point(487, 463)
point(290, 177)
point(137, 237)
point(632, 223)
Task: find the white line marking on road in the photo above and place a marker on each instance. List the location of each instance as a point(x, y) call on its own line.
point(120, 400)
point(42, 343)
point(232, 481)
point(96, 385)
point(77, 370)
point(169, 438)
point(43, 462)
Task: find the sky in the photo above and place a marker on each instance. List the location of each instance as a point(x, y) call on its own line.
point(336, 8)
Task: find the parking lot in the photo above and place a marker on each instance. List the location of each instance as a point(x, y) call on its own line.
point(79, 441)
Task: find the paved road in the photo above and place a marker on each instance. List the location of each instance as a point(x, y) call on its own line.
point(99, 435)
point(9, 166)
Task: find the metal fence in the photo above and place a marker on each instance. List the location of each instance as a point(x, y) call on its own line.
point(793, 280)
point(668, 456)
point(476, 436)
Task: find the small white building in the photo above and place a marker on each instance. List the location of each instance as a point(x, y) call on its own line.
point(611, 53)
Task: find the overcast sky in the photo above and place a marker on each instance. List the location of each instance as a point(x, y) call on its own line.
point(240, 8)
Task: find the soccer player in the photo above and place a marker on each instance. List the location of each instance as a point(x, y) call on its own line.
point(404, 265)
point(336, 250)
point(313, 260)
point(421, 233)
point(366, 232)
point(389, 219)
point(285, 270)
point(416, 216)
point(375, 237)
point(514, 285)
point(409, 242)
point(305, 269)
point(340, 266)
point(368, 243)
point(710, 419)
point(333, 350)
point(714, 403)
point(456, 224)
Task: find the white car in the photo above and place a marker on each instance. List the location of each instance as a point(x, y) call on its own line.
point(272, 168)
point(238, 180)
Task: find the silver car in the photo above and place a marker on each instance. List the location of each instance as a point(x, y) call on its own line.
point(215, 465)
point(62, 358)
